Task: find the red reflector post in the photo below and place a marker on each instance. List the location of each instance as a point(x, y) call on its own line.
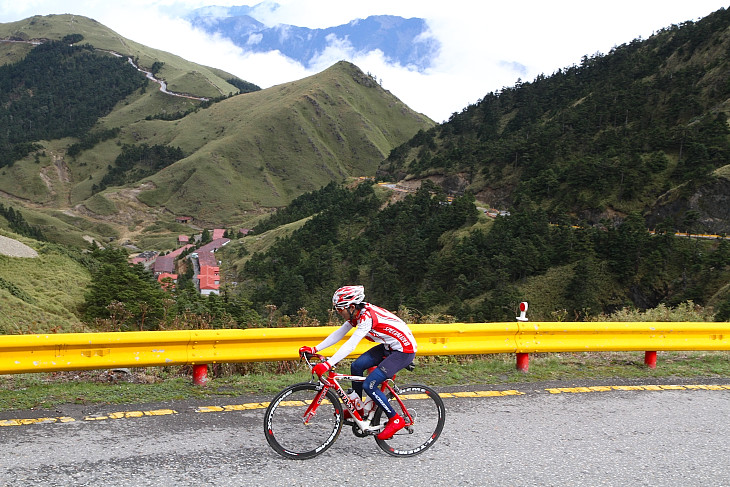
point(523, 311)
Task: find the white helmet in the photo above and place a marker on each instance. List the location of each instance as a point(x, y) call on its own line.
point(347, 295)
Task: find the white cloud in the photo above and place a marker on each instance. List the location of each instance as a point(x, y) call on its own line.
point(486, 45)
point(337, 49)
point(254, 39)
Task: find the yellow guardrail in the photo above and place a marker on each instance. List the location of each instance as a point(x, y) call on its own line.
point(622, 336)
point(79, 351)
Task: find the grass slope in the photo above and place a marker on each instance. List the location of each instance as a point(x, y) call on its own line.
point(41, 294)
point(262, 149)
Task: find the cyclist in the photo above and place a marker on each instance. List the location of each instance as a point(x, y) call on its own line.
point(396, 349)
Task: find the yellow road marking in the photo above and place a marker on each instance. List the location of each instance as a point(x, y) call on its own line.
point(464, 394)
point(481, 394)
point(575, 390)
point(21, 422)
point(130, 414)
point(235, 407)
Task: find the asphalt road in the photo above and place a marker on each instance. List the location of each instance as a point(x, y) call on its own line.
point(589, 434)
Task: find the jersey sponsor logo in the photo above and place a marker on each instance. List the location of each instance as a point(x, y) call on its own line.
point(394, 332)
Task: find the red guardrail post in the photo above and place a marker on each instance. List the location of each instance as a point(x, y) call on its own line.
point(650, 359)
point(200, 374)
point(523, 359)
point(523, 362)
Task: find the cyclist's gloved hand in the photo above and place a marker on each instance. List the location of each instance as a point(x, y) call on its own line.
point(321, 368)
point(304, 350)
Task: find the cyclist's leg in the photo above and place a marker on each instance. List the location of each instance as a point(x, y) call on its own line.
point(394, 362)
point(371, 358)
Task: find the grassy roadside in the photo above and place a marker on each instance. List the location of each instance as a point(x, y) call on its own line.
point(42, 391)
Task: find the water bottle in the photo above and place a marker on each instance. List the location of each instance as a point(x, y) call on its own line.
point(356, 400)
point(367, 405)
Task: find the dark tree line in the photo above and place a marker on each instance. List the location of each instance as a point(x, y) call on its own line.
point(124, 297)
point(306, 205)
point(57, 91)
point(19, 225)
point(406, 255)
point(243, 86)
point(137, 162)
point(89, 140)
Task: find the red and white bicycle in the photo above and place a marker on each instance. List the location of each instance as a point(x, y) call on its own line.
point(305, 419)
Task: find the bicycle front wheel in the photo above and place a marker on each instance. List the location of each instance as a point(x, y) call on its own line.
point(293, 430)
point(427, 412)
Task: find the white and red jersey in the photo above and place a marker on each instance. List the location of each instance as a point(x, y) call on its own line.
point(384, 327)
point(375, 324)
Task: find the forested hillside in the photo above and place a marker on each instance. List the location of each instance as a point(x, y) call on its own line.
point(597, 167)
point(587, 161)
point(59, 90)
point(600, 139)
point(436, 258)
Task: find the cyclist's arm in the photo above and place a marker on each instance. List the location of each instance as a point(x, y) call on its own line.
point(335, 336)
point(347, 348)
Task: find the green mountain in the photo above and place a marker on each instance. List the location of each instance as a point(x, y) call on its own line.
point(642, 128)
point(179, 74)
point(98, 151)
point(583, 162)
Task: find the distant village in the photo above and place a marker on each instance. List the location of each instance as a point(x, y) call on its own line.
point(206, 268)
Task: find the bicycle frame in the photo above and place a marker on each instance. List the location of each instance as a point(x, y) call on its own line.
point(332, 381)
point(296, 426)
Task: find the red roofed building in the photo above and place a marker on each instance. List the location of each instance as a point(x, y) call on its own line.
point(167, 286)
point(209, 274)
point(166, 263)
point(218, 233)
point(145, 257)
point(209, 279)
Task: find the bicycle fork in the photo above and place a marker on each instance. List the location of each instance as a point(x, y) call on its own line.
point(309, 413)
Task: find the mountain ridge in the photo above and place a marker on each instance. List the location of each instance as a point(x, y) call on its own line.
point(176, 70)
point(599, 140)
point(242, 153)
point(403, 41)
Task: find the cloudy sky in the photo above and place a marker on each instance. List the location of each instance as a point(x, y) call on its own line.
point(486, 44)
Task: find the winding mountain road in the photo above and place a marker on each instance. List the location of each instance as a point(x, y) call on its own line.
point(150, 75)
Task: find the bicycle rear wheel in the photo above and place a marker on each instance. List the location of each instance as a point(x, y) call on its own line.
point(284, 425)
point(427, 410)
